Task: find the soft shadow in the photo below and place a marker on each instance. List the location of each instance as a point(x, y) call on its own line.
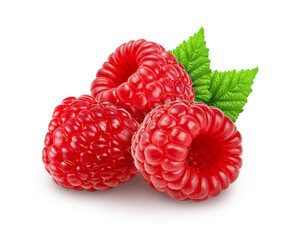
point(136, 193)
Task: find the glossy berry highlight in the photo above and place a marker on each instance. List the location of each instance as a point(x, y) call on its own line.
point(88, 144)
point(188, 150)
point(141, 75)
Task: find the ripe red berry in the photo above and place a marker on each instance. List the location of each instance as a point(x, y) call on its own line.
point(141, 75)
point(88, 144)
point(187, 150)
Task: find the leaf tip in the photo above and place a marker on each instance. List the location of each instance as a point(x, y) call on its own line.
point(201, 30)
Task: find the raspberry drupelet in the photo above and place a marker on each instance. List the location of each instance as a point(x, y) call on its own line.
point(141, 75)
point(88, 144)
point(187, 150)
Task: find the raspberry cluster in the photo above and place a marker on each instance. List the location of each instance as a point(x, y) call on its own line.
point(88, 144)
point(140, 76)
point(185, 149)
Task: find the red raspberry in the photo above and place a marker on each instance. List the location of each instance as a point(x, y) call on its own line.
point(88, 144)
point(141, 75)
point(187, 150)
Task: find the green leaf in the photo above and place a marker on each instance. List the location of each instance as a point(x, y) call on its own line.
point(193, 55)
point(230, 90)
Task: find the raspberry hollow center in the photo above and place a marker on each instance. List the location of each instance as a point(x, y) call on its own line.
point(204, 152)
point(127, 69)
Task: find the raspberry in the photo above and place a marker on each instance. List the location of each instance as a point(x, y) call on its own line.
point(88, 145)
point(187, 150)
point(141, 75)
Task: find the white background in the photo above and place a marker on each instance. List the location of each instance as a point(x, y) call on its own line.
point(52, 49)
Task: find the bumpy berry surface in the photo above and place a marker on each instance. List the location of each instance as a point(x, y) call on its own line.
point(141, 75)
point(187, 150)
point(88, 144)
